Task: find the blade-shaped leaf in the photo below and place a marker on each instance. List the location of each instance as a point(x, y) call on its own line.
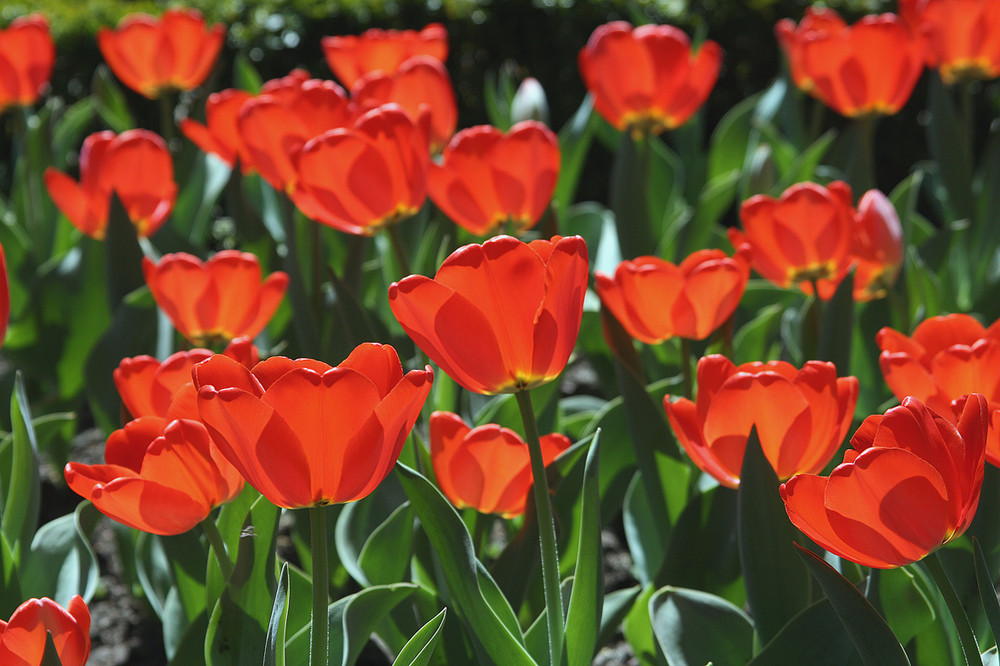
point(693, 628)
point(418, 650)
point(20, 507)
point(62, 562)
point(814, 637)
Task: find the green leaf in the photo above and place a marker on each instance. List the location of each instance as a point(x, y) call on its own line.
point(383, 512)
point(453, 546)
point(987, 593)
point(245, 75)
point(583, 615)
point(630, 185)
point(904, 604)
point(198, 193)
point(776, 582)
point(10, 584)
point(949, 142)
point(61, 562)
point(617, 605)
point(727, 150)
point(574, 142)
point(274, 644)
point(237, 629)
point(110, 101)
point(49, 656)
point(69, 130)
point(353, 619)
point(638, 629)
point(815, 637)
point(870, 634)
point(693, 628)
point(385, 557)
point(20, 505)
point(419, 649)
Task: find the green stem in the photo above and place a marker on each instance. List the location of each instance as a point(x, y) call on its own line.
point(167, 116)
point(966, 637)
point(218, 547)
point(686, 373)
point(33, 201)
point(399, 250)
point(546, 530)
point(865, 178)
point(318, 638)
point(316, 239)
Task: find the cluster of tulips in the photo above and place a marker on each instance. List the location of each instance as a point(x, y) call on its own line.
point(729, 364)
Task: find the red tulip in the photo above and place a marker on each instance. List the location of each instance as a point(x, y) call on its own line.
point(962, 36)
point(220, 136)
point(488, 179)
point(366, 177)
point(275, 125)
point(485, 468)
point(647, 79)
point(150, 55)
point(801, 416)
point(946, 358)
point(910, 484)
point(802, 236)
point(793, 37)
point(307, 434)
point(352, 57)
point(22, 638)
point(27, 54)
point(864, 69)
point(498, 317)
point(159, 476)
point(222, 298)
point(135, 165)
point(877, 247)
point(420, 85)
point(655, 300)
point(151, 388)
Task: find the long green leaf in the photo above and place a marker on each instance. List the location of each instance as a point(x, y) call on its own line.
point(20, 509)
point(777, 584)
point(574, 141)
point(814, 637)
point(420, 647)
point(693, 628)
point(870, 634)
point(353, 619)
point(583, 615)
point(453, 546)
point(987, 593)
point(62, 562)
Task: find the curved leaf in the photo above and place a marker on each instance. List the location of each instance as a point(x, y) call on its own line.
point(693, 628)
point(418, 650)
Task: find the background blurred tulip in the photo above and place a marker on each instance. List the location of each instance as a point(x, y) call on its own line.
point(351, 57)
point(151, 55)
point(486, 468)
point(220, 135)
point(801, 237)
point(910, 484)
point(498, 317)
point(655, 299)
point(219, 299)
point(962, 36)
point(647, 79)
point(876, 247)
point(27, 54)
point(159, 476)
point(946, 358)
point(792, 39)
point(22, 638)
point(801, 416)
point(488, 180)
point(134, 165)
point(306, 434)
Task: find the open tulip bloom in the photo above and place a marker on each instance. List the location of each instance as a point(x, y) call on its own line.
point(962, 36)
point(910, 484)
point(351, 57)
point(134, 165)
point(220, 135)
point(801, 416)
point(22, 637)
point(487, 467)
point(27, 54)
point(173, 52)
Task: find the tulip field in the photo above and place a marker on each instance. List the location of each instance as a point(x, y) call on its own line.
point(310, 370)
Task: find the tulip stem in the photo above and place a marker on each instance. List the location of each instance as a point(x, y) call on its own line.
point(546, 529)
point(399, 250)
point(218, 547)
point(167, 116)
point(318, 636)
point(966, 637)
point(686, 368)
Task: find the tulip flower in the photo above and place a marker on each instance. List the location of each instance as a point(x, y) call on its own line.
point(647, 79)
point(655, 299)
point(366, 177)
point(134, 165)
point(910, 484)
point(485, 468)
point(499, 317)
point(220, 136)
point(351, 57)
point(420, 85)
point(877, 246)
point(306, 434)
point(946, 358)
point(275, 125)
point(801, 237)
point(27, 54)
point(152, 55)
point(159, 476)
point(962, 36)
point(488, 179)
point(801, 416)
point(869, 68)
point(222, 298)
point(149, 387)
point(22, 638)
